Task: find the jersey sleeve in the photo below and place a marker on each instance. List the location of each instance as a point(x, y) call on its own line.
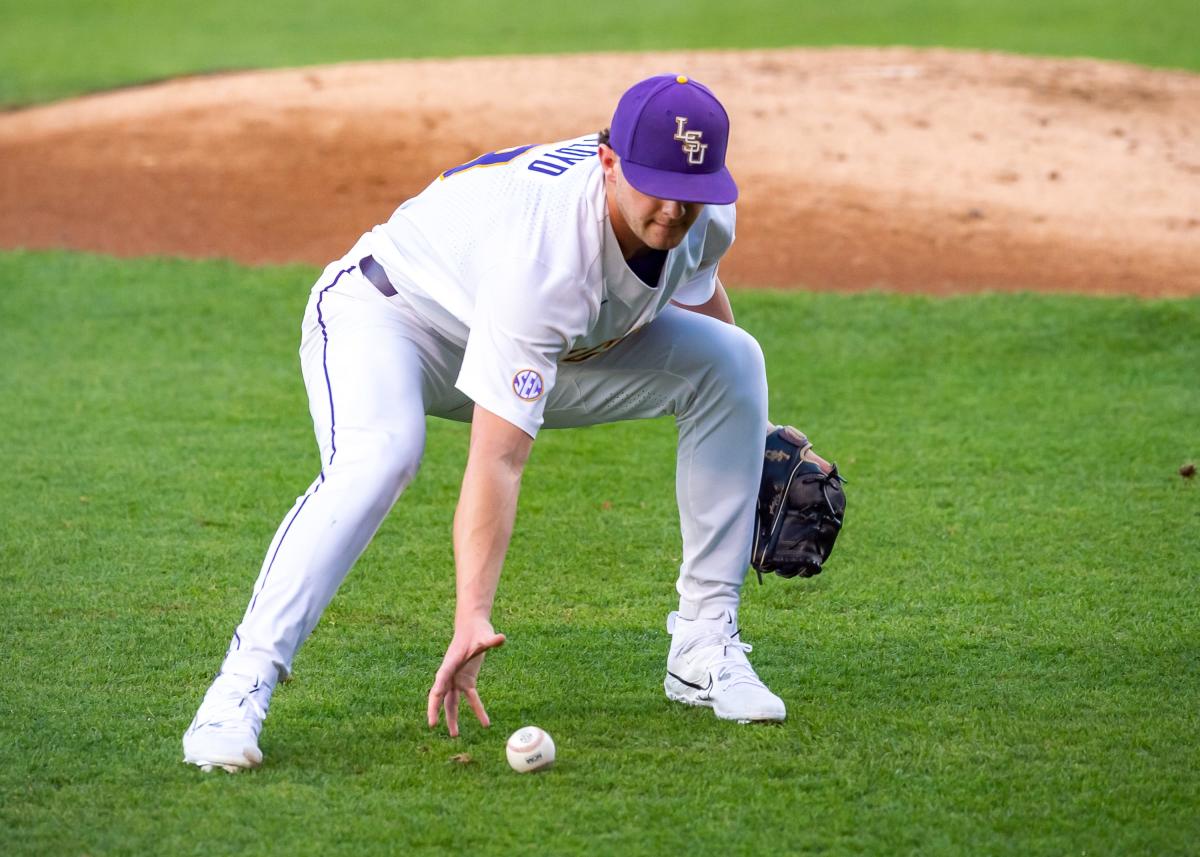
point(526, 317)
point(717, 238)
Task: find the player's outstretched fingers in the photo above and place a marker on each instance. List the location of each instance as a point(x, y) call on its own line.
point(457, 675)
point(452, 712)
point(433, 708)
point(442, 683)
point(477, 707)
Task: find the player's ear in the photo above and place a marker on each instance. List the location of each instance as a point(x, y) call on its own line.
point(608, 162)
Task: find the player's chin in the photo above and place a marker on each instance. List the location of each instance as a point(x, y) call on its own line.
point(665, 237)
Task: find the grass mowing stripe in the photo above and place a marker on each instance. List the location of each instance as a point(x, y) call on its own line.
point(1000, 658)
point(53, 48)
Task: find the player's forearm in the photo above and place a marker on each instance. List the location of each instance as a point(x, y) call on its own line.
point(487, 509)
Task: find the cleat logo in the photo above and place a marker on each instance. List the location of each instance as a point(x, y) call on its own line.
point(692, 147)
point(682, 680)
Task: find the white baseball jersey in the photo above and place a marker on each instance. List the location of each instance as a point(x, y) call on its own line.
point(512, 257)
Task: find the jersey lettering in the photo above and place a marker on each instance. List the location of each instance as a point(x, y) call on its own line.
point(540, 166)
point(569, 155)
point(567, 159)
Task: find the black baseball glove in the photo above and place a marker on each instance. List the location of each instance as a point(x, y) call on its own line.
point(800, 509)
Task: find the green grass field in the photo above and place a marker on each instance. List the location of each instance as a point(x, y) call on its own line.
point(1000, 659)
point(1003, 656)
point(53, 48)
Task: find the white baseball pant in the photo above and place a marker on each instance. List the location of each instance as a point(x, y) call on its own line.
point(373, 370)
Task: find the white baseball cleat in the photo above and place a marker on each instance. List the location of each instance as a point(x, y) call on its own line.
point(707, 666)
point(224, 732)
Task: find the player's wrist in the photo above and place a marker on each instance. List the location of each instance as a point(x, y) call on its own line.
point(468, 619)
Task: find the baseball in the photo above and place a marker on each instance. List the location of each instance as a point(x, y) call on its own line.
point(530, 749)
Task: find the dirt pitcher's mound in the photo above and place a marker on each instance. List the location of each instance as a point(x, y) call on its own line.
point(908, 169)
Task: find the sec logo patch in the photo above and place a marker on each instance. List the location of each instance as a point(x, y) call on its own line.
point(528, 385)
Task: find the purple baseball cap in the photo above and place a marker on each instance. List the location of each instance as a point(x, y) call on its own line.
point(671, 134)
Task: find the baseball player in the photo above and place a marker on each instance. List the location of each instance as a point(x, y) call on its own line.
point(543, 286)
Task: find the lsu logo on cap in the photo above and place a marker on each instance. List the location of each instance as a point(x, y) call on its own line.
point(528, 385)
point(692, 147)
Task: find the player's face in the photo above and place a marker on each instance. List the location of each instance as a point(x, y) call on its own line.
point(659, 224)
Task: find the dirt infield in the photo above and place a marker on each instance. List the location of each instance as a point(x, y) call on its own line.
point(924, 170)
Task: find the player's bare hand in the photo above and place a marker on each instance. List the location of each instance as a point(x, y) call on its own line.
point(825, 466)
point(457, 675)
point(801, 439)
